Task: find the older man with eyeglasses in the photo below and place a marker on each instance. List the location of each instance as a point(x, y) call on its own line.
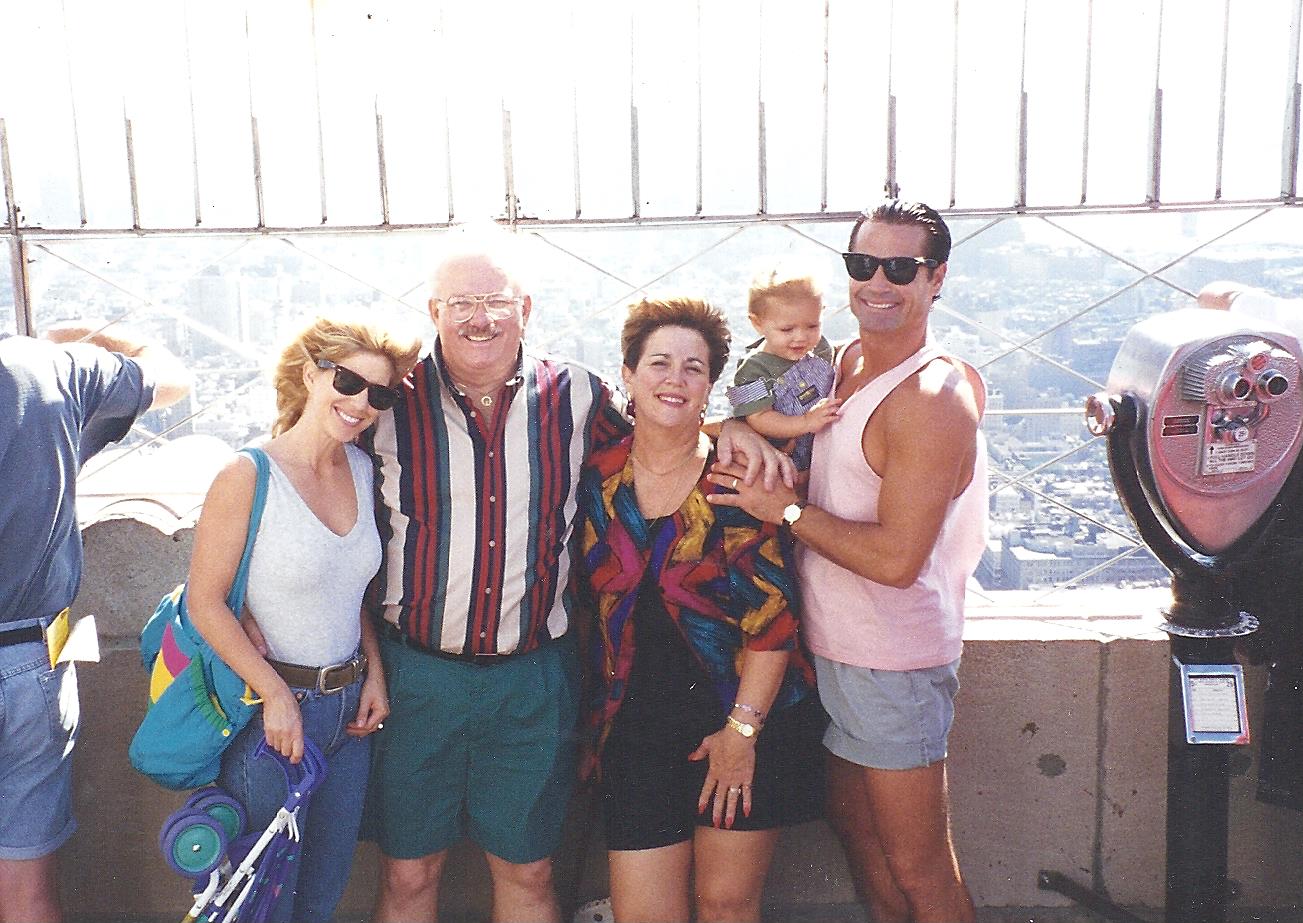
point(894, 525)
point(479, 462)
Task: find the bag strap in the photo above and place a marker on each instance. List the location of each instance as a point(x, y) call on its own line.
point(235, 598)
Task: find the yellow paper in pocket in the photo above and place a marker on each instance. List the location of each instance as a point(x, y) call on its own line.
point(56, 636)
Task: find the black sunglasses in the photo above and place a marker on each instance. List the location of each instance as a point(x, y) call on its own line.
point(348, 383)
point(899, 270)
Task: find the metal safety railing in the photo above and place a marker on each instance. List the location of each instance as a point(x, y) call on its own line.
point(217, 289)
point(579, 314)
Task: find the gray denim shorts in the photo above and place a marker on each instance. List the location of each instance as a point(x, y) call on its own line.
point(887, 719)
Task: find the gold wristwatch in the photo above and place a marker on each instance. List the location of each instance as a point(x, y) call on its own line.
point(746, 730)
point(792, 512)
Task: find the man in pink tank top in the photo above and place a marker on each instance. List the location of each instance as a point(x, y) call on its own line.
point(894, 525)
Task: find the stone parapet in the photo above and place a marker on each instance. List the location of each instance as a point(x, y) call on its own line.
point(1057, 762)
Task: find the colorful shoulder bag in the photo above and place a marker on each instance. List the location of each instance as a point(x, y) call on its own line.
point(197, 704)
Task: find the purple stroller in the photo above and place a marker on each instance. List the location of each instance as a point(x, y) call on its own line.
point(238, 878)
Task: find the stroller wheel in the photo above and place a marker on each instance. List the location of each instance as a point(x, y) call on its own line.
point(188, 807)
point(221, 807)
point(198, 795)
point(194, 843)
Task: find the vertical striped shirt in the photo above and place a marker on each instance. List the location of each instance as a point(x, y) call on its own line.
point(476, 510)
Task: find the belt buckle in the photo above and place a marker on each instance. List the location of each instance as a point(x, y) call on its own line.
point(356, 663)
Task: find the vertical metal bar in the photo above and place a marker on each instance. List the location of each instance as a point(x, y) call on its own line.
point(1154, 186)
point(24, 322)
point(255, 144)
point(823, 152)
point(447, 155)
point(131, 168)
point(447, 118)
point(17, 258)
point(509, 176)
point(1085, 119)
point(1020, 193)
point(635, 181)
point(1221, 105)
point(1153, 194)
point(316, 99)
point(891, 187)
point(11, 207)
point(701, 121)
point(76, 131)
point(194, 128)
point(954, 110)
point(574, 118)
point(1289, 153)
point(762, 167)
point(381, 162)
point(257, 171)
point(574, 114)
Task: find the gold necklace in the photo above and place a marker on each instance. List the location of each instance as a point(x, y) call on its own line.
point(486, 400)
point(672, 468)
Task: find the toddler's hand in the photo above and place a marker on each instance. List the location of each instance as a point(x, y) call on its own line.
point(821, 414)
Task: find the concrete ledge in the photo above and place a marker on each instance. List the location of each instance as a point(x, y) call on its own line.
point(1057, 762)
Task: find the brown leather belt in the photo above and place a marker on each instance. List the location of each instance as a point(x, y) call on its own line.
point(323, 679)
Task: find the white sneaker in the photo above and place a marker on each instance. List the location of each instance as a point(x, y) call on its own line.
point(595, 912)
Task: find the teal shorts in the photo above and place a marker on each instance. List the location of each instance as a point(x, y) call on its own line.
point(485, 751)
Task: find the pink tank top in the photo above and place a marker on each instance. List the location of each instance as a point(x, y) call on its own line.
point(853, 620)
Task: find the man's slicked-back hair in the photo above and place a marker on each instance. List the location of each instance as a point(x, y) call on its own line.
point(909, 214)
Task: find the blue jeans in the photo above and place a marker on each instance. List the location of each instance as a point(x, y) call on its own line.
point(329, 823)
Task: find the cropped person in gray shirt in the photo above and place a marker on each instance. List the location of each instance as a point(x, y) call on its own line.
point(316, 550)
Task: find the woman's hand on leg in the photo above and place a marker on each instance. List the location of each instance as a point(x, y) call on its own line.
point(728, 779)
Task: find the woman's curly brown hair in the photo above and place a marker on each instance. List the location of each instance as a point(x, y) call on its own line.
point(650, 314)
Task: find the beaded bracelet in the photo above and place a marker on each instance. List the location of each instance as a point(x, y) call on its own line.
point(760, 716)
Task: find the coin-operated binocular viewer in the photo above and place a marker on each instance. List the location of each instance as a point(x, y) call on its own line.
point(1204, 421)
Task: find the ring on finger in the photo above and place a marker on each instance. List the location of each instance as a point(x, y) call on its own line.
point(735, 790)
point(735, 483)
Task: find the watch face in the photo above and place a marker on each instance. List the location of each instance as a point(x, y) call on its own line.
point(746, 730)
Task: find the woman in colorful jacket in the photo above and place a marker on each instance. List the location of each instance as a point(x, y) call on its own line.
point(702, 726)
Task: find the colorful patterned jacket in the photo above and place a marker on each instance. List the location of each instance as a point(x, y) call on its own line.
point(726, 578)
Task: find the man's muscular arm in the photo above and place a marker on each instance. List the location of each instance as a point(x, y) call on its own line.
point(930, 442)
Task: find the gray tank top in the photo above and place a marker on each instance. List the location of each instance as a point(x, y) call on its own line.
point(306, 582)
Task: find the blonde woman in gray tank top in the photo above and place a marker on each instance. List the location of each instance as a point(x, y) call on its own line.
point(316, 664)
